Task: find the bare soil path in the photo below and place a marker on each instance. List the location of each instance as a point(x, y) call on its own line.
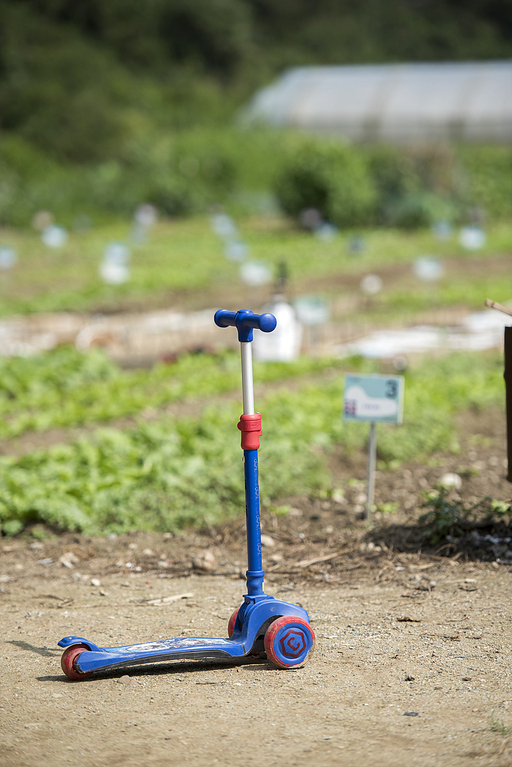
point(400, 676)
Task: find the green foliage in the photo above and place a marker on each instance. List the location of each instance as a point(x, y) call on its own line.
point(486, 178)
point(428, 184)
point(330, 176)
point(415, 187)
point(450, 517)
point(434, 393)
point(182, 173)
point(402, 187)
point(81, 80)
point(373, 32)
point(420, 209)
point(453, 383)
point(29, 179)
point(154, 476)
point(58, 90)
point(444, 517)
point(68, 388)
point(395, 177)
point(497, 725)
point(206, 33)
point(189, 171)
point(173, 472)
point(387, 508)
point(81, 83)
point(179, 174)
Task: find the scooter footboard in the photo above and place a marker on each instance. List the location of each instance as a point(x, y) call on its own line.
point(96, 658)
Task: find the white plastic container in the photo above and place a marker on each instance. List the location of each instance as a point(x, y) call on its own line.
point(284, 344)
point(114, 269)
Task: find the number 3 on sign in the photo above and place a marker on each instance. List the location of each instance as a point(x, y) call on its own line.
point(391, 388)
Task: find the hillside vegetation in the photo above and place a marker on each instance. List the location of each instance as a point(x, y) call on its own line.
point(107, 103)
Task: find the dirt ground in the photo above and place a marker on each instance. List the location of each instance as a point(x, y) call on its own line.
point(413, 658)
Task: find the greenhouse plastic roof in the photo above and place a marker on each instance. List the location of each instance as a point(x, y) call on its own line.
point(471, 101)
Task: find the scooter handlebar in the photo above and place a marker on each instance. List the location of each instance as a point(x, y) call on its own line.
point(245, 321)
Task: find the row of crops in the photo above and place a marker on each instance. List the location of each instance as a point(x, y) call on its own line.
point(162, 471)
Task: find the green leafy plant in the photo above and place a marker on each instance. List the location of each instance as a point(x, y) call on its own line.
point(498, 726)
point(386, 508)
point(444, 517)
point(450, 517)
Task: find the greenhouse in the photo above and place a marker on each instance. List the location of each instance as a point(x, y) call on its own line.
point(399, 103)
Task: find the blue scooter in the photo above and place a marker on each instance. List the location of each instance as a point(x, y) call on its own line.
point(262, 623)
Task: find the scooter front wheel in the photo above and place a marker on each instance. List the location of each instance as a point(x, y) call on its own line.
point(68, 662)
point(289, 641)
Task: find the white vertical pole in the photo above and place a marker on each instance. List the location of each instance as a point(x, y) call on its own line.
point(372, 456)
point(247, 379)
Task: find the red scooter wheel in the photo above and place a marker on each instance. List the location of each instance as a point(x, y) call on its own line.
point(231, 623)
point(68, 661)
point(289, 641)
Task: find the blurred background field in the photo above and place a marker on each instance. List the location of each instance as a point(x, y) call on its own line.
point(115, 111)
point(183, 264)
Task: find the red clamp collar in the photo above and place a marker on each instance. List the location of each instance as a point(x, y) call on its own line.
point(250, 426)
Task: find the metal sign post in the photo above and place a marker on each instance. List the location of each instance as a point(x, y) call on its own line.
point(372, 459)
point(375, 399)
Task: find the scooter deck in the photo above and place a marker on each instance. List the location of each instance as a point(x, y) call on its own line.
point(96, 658)
point(256, 616)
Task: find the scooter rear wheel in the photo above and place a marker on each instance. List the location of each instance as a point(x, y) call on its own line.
point(289, 641)
point(68, 662)
point(231, 623)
